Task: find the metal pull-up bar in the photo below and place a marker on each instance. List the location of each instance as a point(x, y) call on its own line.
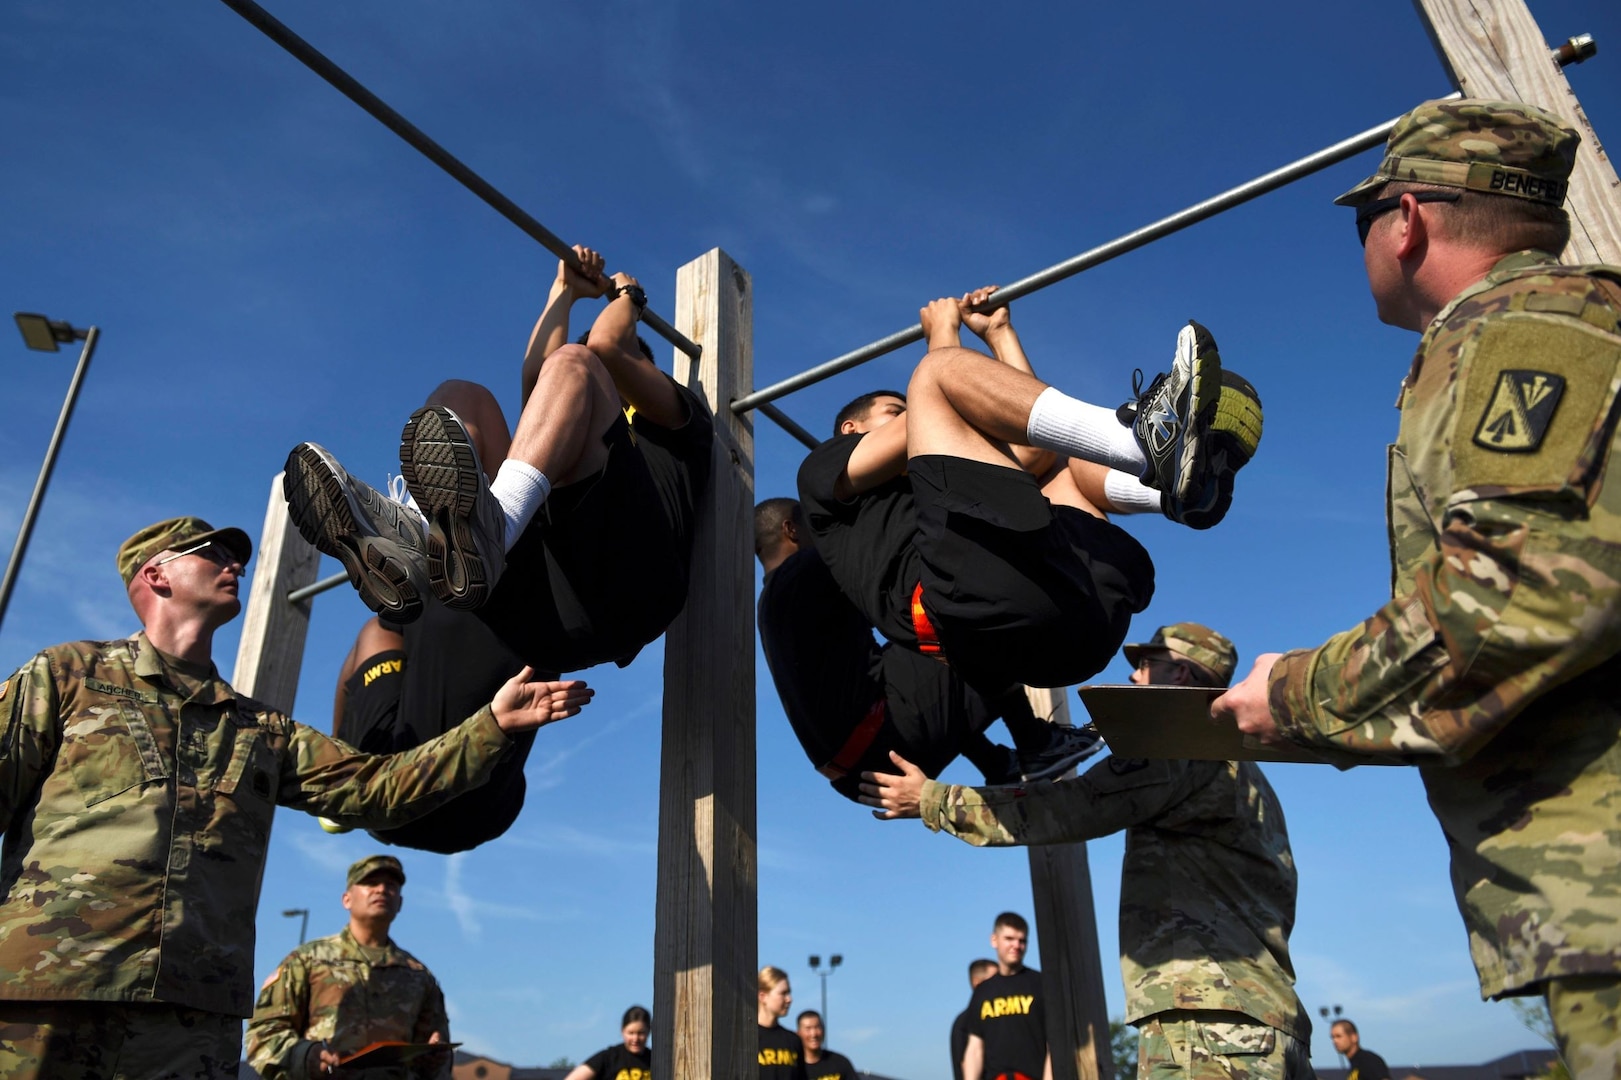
point(1198, 212)
point(345, 84)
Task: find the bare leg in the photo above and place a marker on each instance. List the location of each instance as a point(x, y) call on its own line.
point(1064, 488)
point(481, 415)
point(569, 411)
point(371, 640)
point(964, 404)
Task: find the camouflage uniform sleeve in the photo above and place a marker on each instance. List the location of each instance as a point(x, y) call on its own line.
point(432, 1018)
point(326, 777)
point(276, 1046)
point(1113, 795)
point(1519, 598)
point(30, 729)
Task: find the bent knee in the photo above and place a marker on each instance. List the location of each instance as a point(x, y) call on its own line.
point(465, 398)
point(577, 367)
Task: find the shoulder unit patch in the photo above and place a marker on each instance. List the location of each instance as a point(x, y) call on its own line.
point(1519, 411)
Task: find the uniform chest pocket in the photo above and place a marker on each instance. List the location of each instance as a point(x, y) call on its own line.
point(109, 749)
point(250, 775)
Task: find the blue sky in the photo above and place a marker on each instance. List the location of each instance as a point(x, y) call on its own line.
point(268, 264)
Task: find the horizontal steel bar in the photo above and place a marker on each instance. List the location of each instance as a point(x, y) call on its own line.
point(1165, 226)
point(298, 596)
point(788, 424)
point(346, 85)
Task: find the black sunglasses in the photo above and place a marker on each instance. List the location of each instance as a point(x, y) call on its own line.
point(1368, 211)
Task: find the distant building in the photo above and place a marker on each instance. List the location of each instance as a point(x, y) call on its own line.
point(1516, 1066)
point(469, 1067)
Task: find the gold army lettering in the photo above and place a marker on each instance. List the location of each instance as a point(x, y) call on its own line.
point(387, 667)
point(1014, 1005)
point(778, 1057)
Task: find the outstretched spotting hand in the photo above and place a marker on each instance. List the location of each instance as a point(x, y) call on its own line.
point(587, 282)
point(1247, 703)
point(321, 1061)
point(942, 322)
point(988, 323)
point(525, 703)
point(895, 796)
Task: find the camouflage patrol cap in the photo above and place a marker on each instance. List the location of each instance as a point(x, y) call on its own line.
point(1498, 147)
point(373, 864)
point(1192, 642)
point(180, 532)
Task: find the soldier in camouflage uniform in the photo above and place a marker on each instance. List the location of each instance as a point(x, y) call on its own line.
point(1494, 667)
point(1207, 890)
point(336, 995)
point(136, 794)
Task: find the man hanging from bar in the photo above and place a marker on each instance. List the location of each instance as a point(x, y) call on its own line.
point(954, 545)
point(574, 553)
point(852, 702)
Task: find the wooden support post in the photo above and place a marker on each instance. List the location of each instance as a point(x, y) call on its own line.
point(1066, 928)
point(1494, 49)
point(273, 631)
point(705, 942)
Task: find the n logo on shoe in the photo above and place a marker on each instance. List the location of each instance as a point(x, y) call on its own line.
point(1521, 408)
point(1163, 424)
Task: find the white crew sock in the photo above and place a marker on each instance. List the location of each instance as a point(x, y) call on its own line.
point(1090, 432)
point(1128, 495)
point(520, 488)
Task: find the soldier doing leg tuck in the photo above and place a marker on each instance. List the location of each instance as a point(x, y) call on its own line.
point(573, 553)
point(930, 523)
point(1207, 889)
point(850, 701)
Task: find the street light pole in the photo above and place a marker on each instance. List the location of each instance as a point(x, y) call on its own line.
point(832, 963)
point(304, 924)
point(44, 335)
point(1338, 1012)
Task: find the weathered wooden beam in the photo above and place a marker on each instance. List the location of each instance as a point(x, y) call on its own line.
point(1494, 49)
point(273, 631)
point(1067, 931)
point(705, 939)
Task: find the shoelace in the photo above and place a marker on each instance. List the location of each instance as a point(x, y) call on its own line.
point(397, 491)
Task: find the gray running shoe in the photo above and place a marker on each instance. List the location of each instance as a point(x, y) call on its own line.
point(1231, 440)
point(382, 545)
point(1170, 417)
point(1066, 748)
point(466, 528)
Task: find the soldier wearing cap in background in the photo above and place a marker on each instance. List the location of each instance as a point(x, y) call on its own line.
point(336, 995)
point(1207, 889)
point(136, 794)
point(1494, 666)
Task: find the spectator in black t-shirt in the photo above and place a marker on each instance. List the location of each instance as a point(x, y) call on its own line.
point(560, 578)
point(1365, 1064)
point(820, 1062)
point(1007, 1016)
point(952, 543)
point(630, 1060)
point(850, 701)
point(978, 972)
point(781, 1055)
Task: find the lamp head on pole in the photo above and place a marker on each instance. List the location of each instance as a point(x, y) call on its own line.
point(835, 960)
point(815, 961)
point(46, 335)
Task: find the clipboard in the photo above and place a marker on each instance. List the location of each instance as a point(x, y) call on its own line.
point(379, 1055)
point(1174, 722)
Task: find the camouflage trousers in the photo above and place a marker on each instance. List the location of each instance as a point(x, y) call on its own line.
point(1187, 1044)
point(1586, 1013)
point(86, 1040)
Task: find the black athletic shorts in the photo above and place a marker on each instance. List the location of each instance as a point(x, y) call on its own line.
point(1020, 590)
point(602, 568)
point(450, 668)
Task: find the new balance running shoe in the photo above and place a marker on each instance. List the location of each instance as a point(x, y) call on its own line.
point(1169, 418)
point(1232, 437)
point(1066, 748)
point(382, 545)
point(466, 528)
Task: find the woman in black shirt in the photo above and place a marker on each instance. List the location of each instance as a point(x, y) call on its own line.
point(782, 1055)
point(631, 1060)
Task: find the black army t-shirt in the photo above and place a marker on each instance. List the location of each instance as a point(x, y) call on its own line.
point(866, 541)
point(1007, 1012)
point(822, 656)
point(832, 1067)
point(617, 1063)
point(1366, 1065)
point(782, 1055)
point(959, 1043)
